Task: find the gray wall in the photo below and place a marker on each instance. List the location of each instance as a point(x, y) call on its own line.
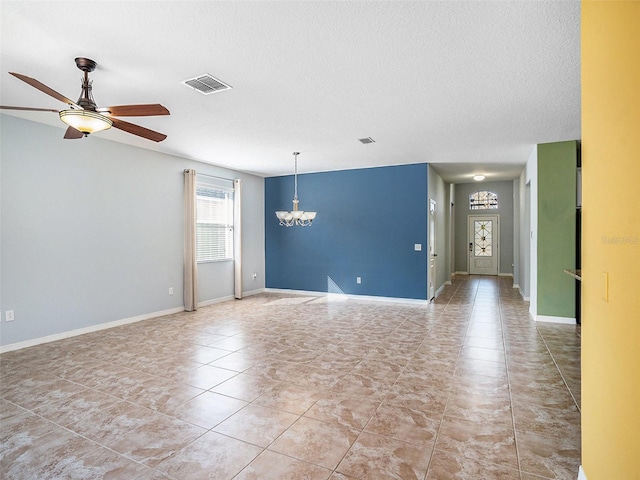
point(505, 210)
point(92, 232)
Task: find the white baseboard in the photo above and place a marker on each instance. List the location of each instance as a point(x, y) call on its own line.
point(410, 301)
point(93, 328)
point(550, 319)
point(253, 292)
point(448, 282)
point(439, 291)
point(524, 297)
point(499, 274)
point(515, 285)
point(215, 300)
point(581, 474)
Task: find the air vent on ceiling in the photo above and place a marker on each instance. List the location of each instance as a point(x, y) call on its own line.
point(206, 84)
point(366, 140)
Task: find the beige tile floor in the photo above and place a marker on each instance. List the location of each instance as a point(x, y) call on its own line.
point(278, 387)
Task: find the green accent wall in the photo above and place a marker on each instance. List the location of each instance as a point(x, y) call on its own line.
point(557, 164)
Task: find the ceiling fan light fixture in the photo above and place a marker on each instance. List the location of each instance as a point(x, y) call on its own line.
point(85, 121)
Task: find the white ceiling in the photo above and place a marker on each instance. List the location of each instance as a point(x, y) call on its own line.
point(467, 86)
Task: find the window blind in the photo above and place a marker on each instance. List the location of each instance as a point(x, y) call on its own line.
point(214, 223)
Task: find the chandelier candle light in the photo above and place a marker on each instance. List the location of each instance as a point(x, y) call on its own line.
point(295, 217)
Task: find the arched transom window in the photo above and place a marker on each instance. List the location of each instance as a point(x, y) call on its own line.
point(483, 200)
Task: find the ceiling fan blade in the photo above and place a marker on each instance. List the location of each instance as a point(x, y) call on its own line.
point(145, 110)
point(72, 133)
point(43, 88)
point(138, 130)
point(29, 109)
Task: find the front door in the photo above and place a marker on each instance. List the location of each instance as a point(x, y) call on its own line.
point(484, 250)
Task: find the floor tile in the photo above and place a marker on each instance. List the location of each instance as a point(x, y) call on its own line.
point(101, 463)
point(494, 443)
point(547, 422)
point(41, 459)
point(157, 439)
point(210, 456)
point(274, 466)
point(375, 456)
point(315, 442)
point(8, 409)
point(405, 424)
point(71, 409)
point(448, 465)
point(256, 425)
point(107, 425)
point(42, 388)
point(548, 457)
point(245, 387)
point(348, 411)
point(207, 376)
point(207, 409)
point(417, 397)
point(480, 408)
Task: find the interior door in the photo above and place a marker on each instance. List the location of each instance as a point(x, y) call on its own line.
point(484, 248)
point(432, 249)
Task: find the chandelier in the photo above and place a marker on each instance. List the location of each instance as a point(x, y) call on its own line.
point(295, 216)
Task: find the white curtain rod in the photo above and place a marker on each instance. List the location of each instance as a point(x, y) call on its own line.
point(211, 176)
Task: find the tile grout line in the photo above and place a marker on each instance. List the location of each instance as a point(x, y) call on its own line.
point(564, 380)
point(435, 440)
point(506, 359)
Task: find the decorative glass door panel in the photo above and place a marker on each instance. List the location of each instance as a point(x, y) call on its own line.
point(483, 235)
point(483, 238)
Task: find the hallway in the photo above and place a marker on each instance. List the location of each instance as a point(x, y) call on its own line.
point(288, 387)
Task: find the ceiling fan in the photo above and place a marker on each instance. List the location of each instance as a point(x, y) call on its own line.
point(85, 117)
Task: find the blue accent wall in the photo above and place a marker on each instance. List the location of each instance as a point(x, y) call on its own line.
point(368, 222)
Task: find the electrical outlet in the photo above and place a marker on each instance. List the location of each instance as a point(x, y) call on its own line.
point(255, 275)
point(9, 316)
point(170, 290)
point(358, 280)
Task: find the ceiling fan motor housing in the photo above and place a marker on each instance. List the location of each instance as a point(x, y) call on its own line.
point(85, 64)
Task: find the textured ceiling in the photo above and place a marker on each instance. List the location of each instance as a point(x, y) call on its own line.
point(467, 86)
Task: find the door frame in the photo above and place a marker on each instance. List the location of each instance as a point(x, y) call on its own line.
point(432, 274)
point(495, 244)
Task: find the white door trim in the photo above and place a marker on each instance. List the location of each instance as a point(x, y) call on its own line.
point(433, 277)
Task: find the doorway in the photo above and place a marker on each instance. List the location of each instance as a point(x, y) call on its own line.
point(484, 249)
point(432, 249)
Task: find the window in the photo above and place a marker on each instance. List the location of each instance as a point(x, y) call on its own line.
point(483, 200)
point(214, 223)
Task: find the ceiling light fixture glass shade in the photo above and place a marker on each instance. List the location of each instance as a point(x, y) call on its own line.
point(295, 216)
point(478, 178)
point(85, 121)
